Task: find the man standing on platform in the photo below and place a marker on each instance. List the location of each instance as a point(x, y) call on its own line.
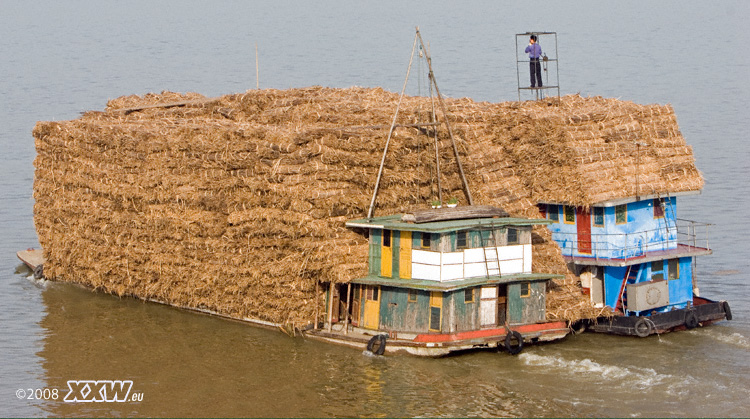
point(534, 51)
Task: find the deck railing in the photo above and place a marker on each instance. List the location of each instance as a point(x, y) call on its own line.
point(637, 244)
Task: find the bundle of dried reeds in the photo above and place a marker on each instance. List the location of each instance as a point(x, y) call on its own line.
point(237, 204)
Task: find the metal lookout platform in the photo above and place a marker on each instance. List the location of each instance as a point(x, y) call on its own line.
point(548, 62)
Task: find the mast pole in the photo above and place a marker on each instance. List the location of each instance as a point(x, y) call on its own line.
point(447, 124)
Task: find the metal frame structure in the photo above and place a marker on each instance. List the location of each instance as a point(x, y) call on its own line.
point(550, 60)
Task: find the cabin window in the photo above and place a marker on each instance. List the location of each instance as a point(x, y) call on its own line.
point(674, 268)
point(657, 270)
point(387, 238)
point(412, 296)
point(658, 208)
point(372, 293)
point(436, 305)
point(512, 236)
point(570, 214)
point(598, 217)
point(461, 237)
point(426, 240)
point(469, 295)
point(525, 289)
point(553, 212)
point(621, 214)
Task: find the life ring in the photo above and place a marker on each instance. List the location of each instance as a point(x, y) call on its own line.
point(727, 310)
point(691, 320)
point(643, 327)
point(39, 272)
point(376, 345)
point(513, 348)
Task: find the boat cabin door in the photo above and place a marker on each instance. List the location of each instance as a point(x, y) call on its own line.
point(488, 306)
point(493, 305)
point(371, 317)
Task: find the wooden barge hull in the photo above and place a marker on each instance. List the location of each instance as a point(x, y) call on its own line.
point(440, 344)
point(702, 313)
point(431, 344)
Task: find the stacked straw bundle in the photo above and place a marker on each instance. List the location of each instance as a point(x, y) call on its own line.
point(237, 204)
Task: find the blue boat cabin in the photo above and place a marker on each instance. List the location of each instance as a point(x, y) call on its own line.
point(445, 275)
point(632, 255)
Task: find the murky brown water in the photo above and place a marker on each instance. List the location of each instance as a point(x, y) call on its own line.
point(60, 59)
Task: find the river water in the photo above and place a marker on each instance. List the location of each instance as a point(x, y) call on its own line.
point(61, 58)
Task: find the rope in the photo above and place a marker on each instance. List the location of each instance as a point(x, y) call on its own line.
point(390, 132)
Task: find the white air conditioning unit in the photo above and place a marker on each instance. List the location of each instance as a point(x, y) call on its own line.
point(648, 295)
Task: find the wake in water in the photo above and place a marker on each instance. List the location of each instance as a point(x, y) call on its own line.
point(631, 377)
point(39, 283)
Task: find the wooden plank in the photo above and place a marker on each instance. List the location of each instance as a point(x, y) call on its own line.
point(31, 257)
point(128, 111)
point(457, 213)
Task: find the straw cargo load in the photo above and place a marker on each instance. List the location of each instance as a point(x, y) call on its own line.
point(237, 204)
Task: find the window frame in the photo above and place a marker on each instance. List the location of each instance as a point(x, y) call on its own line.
point(598, 212)
point(386, 238)
point(508, 238)
point(426, 240)
point(621, 210)
point(553, 215)
point(658, 203)
point(412, 296)
point(525, 293)
point(657, 274)
point(565, 214)
point(468, 292)
point(462, 234)
point(676, 263)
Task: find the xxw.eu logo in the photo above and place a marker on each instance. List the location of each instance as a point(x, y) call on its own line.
point(101, 391)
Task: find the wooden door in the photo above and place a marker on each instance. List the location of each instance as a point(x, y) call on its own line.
point(336, 303)
point(386, 255)
point(355, 307)
point(583, 224)
point(404, 266)
point(488, 306)
point(502, 304)
point(436, 310)
point(371, 317)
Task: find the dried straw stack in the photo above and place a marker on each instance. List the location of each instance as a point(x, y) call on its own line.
point(237, 204)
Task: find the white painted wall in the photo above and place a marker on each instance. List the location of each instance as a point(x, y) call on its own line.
point(470, 263)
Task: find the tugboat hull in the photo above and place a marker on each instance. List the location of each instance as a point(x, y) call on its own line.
point(702, 313)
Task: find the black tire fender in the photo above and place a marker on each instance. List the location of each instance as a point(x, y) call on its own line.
point(727, 310)
point(39, 272)
point(514, 348)
point(691, 319)
point(643, 327)
point(376, 344)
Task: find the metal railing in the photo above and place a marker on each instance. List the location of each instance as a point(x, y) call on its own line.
point(637, 244)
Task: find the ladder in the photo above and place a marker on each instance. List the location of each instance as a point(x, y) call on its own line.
point(630, 277)
point(491, 254)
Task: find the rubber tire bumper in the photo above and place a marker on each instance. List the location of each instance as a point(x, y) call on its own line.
point(643, 327)
point(510, 347)
point(376, 344)
point(39, 272)
point(691, 320)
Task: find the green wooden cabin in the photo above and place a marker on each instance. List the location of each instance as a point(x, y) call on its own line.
point(445, 271)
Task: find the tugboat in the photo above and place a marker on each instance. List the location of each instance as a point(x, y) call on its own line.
point(443, 280)
point(635, 256)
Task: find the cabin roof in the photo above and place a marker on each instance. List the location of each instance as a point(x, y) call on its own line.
point(394, 222)
point(426, 285)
